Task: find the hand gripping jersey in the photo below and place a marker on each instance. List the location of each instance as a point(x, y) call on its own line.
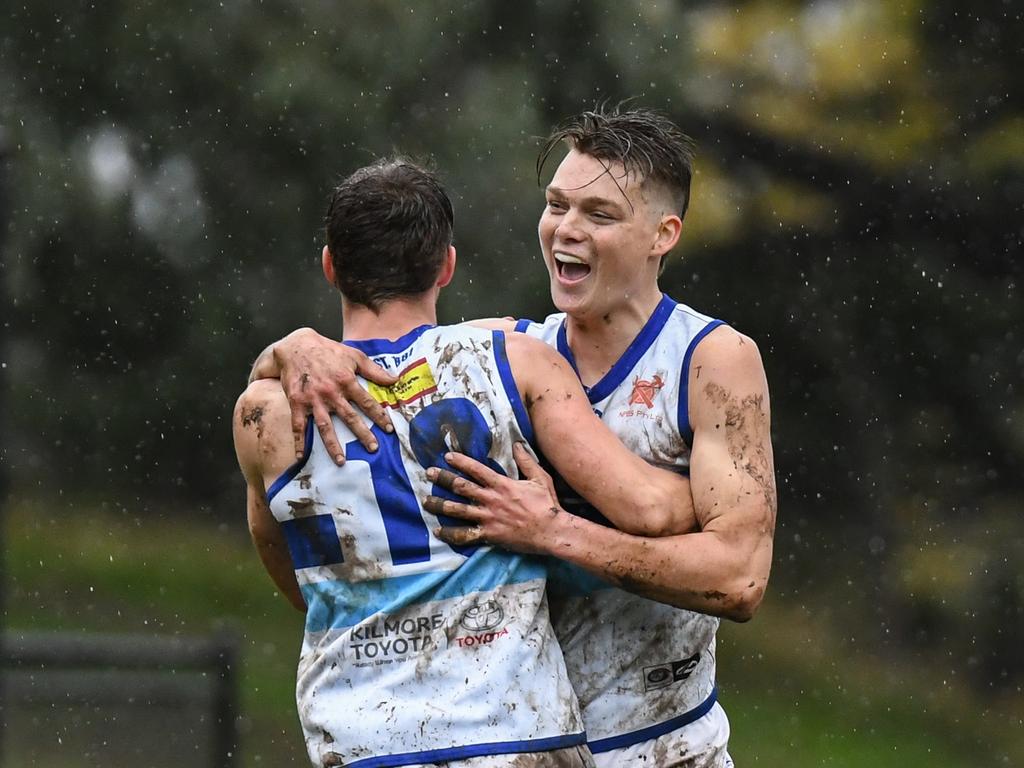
point(414, 651)
point(640, 668)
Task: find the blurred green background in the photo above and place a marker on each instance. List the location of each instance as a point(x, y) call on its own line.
point(857, 209)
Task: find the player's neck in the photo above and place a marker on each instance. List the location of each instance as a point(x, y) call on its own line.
point(394, 318)
point(598, 340)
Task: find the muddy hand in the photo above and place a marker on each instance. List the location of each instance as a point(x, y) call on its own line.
point(504, 512)
point(319, 377)
point(530, 468)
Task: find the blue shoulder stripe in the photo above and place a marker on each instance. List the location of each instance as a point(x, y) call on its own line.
point(685, 428)
point(290, 473)
point(511, 390)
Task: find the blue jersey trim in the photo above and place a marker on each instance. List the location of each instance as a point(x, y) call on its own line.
point(290, 473)
point(636, 349)
point(386, 346)
point(685, 428)
point(654, 731)
point(511, 390)
point(522, 325)
point(339, 604)
point(562, 344)
point(473, 750)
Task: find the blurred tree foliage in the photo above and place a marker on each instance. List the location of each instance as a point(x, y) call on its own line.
point(857, 210)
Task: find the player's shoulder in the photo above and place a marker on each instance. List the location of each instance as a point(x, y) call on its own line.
point(724, 346)
point(680, 310)
point(726, 373)
point(532, 360)
point(526, 345)
point(262, 410)
point(506, 324)
point(264, 394)
point(546, 329)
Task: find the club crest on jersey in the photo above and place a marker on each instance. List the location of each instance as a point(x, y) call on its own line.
point(415, 381)
point(644, 391)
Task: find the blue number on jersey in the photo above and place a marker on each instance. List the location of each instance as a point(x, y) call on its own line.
point(407, 534)
point(453, 424)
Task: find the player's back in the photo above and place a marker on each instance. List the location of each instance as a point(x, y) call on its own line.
point(415, 651)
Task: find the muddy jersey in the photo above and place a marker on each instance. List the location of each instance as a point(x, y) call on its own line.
point(414, 651)
point(640, 668)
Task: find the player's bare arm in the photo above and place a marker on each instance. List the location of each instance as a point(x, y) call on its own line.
point(319, 377)
point(723, 568)
point(261, 432)
point(630, 492)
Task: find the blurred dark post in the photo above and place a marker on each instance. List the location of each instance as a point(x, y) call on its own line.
point(225, 705)
point(3, 425)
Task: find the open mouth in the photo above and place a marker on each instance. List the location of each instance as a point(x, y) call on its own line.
point(570, 268)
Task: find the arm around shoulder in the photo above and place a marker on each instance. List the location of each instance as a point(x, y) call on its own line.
point(634, 495)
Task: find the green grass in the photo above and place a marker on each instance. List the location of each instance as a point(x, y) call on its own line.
point(100, 572)
point(790, 675)
point(797, 693)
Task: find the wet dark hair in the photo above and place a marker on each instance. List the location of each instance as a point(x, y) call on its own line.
point(644, 141)
point(388, 228)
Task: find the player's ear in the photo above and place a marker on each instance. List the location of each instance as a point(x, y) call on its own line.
point(665, 239)
point(447, 269)
point(328, 266)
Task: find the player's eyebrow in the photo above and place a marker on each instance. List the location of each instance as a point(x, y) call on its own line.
point(589, 201)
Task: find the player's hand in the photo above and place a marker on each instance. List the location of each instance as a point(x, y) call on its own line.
point(319, 378)
point(509, 513)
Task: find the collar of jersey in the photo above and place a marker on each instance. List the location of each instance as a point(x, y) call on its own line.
point(636, 349)
point(384, 346)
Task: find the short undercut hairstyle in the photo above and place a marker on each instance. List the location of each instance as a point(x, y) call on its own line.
point(645, 142)
point(388, 228)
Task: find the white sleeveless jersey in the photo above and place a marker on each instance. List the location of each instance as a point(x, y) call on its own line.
point(640, 668)
point(415, 652)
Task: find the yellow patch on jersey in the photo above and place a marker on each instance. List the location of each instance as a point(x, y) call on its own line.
point(413, 383)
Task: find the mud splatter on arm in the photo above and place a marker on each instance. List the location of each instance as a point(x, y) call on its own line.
point(723, 568)
point(262, 438)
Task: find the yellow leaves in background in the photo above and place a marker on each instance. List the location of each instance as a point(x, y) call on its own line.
point(846, 76)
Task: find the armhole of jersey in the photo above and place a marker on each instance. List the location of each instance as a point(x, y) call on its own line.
point(511, 390)
point(289, 474)
point(521, 326)
point(685, 428)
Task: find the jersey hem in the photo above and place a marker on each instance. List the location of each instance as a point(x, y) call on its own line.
point(473, 750)
point(654, 731)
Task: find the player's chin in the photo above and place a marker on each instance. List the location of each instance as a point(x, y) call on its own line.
point(570, 300)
